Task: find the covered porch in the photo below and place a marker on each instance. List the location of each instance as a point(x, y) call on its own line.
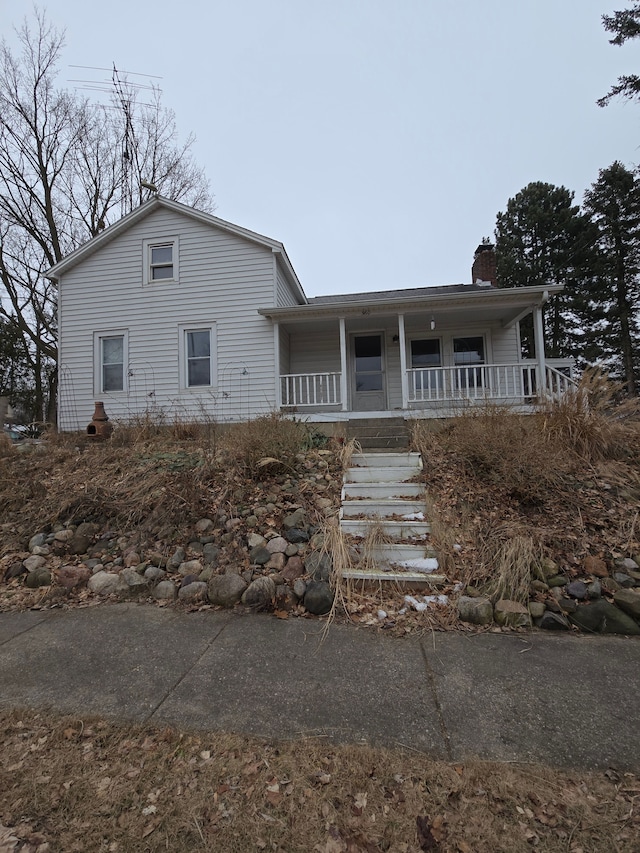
point(422, 353)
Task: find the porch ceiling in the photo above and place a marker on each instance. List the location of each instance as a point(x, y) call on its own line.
point(493, 305)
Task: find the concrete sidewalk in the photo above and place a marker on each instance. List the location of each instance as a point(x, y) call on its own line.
point(559, 700)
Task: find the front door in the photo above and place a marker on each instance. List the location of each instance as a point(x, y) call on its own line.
point(368, 380)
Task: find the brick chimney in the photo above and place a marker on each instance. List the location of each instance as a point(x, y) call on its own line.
point(484, 264)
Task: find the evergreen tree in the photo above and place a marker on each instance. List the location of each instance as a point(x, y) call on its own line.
point(542, 238)
point(613, 336)
point(625, 25)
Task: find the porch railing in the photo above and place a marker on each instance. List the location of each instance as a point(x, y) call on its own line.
point(483, 382)
point(310, 389)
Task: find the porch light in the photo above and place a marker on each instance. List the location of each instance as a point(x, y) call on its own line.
point(433, 323)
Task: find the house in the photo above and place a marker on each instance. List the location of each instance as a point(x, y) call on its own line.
point(175, 313)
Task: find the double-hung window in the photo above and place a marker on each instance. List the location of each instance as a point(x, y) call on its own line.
point(160, 260)
point(110, 359)
point(197, 351)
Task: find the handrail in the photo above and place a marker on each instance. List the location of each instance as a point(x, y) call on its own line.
point(310, 389)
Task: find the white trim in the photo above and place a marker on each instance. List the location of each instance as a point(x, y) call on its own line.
point(183, 365)
point(343, 366)
point(151, 243)
point(403, 361)
point(98, 337)
point(538, 336)
point(276, 360)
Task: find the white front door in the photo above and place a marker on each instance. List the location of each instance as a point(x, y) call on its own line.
point(368, 383)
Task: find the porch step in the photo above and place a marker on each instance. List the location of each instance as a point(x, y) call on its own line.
point(379, 432)
point(380, 502)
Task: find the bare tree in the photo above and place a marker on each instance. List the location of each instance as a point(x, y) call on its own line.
point(67, 169)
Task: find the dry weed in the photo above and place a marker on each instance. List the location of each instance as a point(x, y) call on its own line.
point(507, 558)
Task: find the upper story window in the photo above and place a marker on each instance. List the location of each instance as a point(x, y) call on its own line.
point(160, 260)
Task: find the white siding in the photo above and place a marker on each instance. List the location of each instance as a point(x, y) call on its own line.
point(285, 297)
point(223, 280)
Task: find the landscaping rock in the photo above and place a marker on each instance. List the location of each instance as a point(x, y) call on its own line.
point(72, 576)
point(210, 554)
point(512, 614)
point(165, 590)
point(277, 545)
point(553, 622)
point(293, 569)
point(204, 525)
point(629, 601)
point(296, 535)
point(548, 568)
point(577, 589)
point(259, 555)
point(594, 590)
point(255, 539)
point(63, 535)
point(88, 528)
point(226, 590)
point(14, 571)
point(627, 564)
point(154, 573)
point(37, 541)
point(477, 611)
point(602, 617)
point(299, 588)
point(134, 581)
point(176, 558)
point(190, 567)
point(623, 579)
point(34, 562)
point(196, 591)
point(567, 605)
point(260, 593)
point(595, 566)
point(79, 544)
point(318, 598)
point(557, 580)
point(536, 609)
point(295, 520)
point(38, 577)
point(277, 562)
point(104, 583)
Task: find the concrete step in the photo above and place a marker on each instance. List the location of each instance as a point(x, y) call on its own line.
point(399, 555)
point(381, 460)
point(386, 474)
point(383, 508)
point(354, 491)
point(409, 578)
point(402, 531)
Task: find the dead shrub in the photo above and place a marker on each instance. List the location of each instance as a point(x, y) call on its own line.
point(271, 441)
point(594, 420)
point(508, 557)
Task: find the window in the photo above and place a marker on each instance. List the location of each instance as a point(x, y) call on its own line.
point(467, 353)
point(197, 356)
point(368, 358)
point(110, 360)
point(425, 356)
point(160, 260)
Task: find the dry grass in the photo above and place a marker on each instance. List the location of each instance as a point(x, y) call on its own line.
point(508, 558)
point(270, 440)
point(84, 785)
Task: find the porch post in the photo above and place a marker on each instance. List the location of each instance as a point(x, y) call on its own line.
point(538, 336)
point(343, 365)
point(403, 363)
point(276, 360)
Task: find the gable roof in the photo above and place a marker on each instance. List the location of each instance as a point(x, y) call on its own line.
point(95, 243)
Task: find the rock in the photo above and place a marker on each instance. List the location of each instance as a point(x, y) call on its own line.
point(210, 554)
point(318, 598)
point(64, 535)
point(255, 540)
point(79, 544)
point(295, 520)
point(34, 562)
point(196, 547)
point(536, 609)
point(602, 617)
point(259, 555)
point(318, 565)
point(37, 541)
point(38, 577)
point(277, 545)
point(154, 574)
point(296, 535)
point(477, 611)
point(158, 559)
point(277, 562)
point(594, 590)
point(176, 558)
point(104, 583)
point(190, 567)
point(595, 566)
point(14, 571)
point(88, 528)
point(568, 605)
point(187, 579)
point(251, 521)
point(553, 621)
point(512, 614)
point(577, 589)
point(41, 550)
point(623, 579)
point(627, 564)
point(207, 573)
point(196, 591)
point(629, 601)
point(165, 590)
point(226, 590)
point(557, 580)
point(260, 593)
point(539, 586)
point(299, 588)
point(131, 581)
point(204, 525)
point(285, 599)
point(72, 576)
point(293, 569)
point(291, 550)
point(132, 559)
point(548, 568)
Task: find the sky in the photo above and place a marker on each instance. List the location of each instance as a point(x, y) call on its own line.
point(377, 139)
